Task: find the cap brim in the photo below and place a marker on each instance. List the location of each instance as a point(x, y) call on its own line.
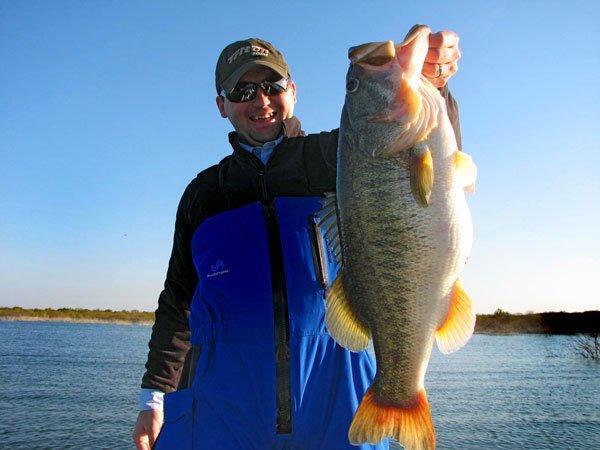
point(233, 79)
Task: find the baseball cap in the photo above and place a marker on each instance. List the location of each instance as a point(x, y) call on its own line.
point(240, 56)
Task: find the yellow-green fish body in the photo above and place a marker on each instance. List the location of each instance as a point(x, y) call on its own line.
point(405, 235)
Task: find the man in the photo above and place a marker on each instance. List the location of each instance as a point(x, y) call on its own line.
point(245, 281)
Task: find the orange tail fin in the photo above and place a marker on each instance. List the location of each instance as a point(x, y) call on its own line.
point(411, 426)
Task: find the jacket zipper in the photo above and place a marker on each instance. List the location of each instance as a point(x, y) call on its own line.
point(187, 377)
point(283, 395)
point(264, 193)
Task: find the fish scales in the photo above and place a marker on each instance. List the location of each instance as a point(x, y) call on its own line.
point(387, 251)
point(405, 234)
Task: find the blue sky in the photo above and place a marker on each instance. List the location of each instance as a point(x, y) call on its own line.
point(107, 111)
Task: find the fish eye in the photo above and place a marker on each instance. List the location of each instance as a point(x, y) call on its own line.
point(352, 85)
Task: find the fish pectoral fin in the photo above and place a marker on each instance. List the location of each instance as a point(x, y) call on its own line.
point(466, 170)
point(342, 322)
point(421, 174)
point(411, 426)
point(459, 323)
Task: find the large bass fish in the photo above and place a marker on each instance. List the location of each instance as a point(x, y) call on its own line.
point(405, 235)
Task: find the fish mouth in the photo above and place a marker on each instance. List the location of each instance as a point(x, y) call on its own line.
point(405, 59)
point(373, 53)
point(381, 53)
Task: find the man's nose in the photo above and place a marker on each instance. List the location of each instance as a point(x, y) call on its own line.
point(261, 97)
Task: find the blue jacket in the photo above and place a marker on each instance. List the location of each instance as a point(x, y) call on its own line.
point(261, 382)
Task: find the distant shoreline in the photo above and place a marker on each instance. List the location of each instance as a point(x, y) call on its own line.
point(77, 315)
point(500, 322)
point(72, 320)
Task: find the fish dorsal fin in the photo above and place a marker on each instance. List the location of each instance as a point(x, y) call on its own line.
point(421, 173)
point(466, 170)
point(342, 321)
point(459, 323)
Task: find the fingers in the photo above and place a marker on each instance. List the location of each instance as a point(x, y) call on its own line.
point(444, 38)
point(153, 432)
point(439, 74)
point(442, 55)
point(140, 438)
point(432, 71)
point(147, 428)
point(439, 82)
point(142, 443)
point(441, 61)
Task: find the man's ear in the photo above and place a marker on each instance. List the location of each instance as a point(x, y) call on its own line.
point(221, 106)
point(294, 90)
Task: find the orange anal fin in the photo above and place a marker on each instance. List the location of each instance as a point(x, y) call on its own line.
point(421, 174)
point(459, 323)
point(411, 426)
point(342, 322)
point(466, 170)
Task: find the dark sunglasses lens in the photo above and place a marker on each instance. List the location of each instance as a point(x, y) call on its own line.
point(272, 88)
point(247, 92)
point(243, 93)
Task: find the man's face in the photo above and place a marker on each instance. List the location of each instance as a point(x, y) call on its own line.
point(259, 120)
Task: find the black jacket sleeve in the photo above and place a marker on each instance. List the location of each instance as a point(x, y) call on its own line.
point(452, 108)
point(170, 338)
point(320, 160)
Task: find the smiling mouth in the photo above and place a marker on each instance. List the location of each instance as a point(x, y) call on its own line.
point(264, 118)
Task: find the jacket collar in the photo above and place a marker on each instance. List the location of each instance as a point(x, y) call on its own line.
point(291, 128)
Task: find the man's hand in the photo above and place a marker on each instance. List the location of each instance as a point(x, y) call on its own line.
point(442, 57)
point(147, 428)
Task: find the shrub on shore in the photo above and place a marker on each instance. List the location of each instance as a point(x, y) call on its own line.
point(588, 346)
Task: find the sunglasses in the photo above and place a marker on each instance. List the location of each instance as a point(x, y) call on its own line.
point(246, 91)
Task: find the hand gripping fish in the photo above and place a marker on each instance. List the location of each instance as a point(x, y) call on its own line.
point(405, 235)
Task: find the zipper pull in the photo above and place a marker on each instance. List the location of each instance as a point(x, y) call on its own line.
point(262, 182)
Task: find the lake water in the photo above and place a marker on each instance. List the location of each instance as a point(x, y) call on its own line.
point(68, 385)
